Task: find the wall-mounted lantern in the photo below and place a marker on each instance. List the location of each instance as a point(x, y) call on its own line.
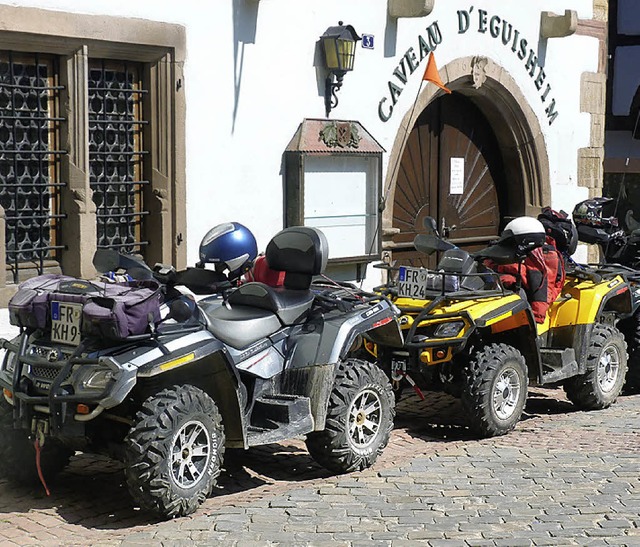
point(339, 46)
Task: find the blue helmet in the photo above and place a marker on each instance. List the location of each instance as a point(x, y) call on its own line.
point(229, 246)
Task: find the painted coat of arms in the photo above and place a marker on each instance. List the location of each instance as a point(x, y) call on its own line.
point(340, 134)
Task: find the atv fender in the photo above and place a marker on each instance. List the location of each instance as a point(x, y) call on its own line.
point(320, 345)
point(512, 314)
point(204, 364)
point(329, 340)
point(590, 301)
point(618, 300)
point(519, 329)
point(376, 322)
point(175, 354)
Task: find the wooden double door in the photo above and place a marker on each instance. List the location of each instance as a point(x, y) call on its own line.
point(451, 169)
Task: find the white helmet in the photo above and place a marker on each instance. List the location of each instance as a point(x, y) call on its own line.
point(525, 233)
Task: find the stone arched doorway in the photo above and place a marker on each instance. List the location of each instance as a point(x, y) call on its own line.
point(488, 122)
point(451, 169)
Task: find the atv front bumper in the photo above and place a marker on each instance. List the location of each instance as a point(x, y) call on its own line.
point(45, 380)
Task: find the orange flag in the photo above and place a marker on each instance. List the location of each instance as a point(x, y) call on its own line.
point(431, 74)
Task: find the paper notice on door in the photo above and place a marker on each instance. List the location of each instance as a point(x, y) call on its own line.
point(456, 177)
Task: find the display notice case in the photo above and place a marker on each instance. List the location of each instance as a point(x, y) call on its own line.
point(333, 181)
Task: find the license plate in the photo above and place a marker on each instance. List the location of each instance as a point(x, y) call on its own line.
point(412, 282)
point(65, 322)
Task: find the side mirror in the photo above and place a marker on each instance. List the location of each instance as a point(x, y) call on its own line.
point(429, 244)
point(430, 225)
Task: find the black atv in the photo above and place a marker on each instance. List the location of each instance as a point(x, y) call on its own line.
point(619, 252)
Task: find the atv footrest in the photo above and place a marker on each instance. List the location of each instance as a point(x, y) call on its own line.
point(278, 417)
point(558, 364)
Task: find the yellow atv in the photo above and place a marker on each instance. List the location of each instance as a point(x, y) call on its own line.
point(467, 335)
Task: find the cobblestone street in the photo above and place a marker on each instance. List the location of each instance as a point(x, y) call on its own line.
point(561, 478)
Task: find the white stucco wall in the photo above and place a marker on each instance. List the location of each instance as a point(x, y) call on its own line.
point(251, 77)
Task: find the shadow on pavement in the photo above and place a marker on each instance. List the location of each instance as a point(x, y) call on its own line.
point(548, 402)
point(440, 417)
point(92, 491)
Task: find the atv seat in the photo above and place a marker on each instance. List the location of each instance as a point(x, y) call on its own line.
point(289, 305)
point(240, 326)
point(301, 252)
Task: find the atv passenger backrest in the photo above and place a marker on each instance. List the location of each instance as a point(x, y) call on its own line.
point(299, 251)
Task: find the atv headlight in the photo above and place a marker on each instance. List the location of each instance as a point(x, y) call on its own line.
point(448, 330)
point(92, 378)
point(9, 362)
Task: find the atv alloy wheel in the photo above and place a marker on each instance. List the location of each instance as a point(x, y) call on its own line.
point(174, 451)
point(495, 389)
point(606, 365)
point(18, 453)
point(359, 419)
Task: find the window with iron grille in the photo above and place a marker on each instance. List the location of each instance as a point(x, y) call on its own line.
point(92, 141)
point(29, 159)
point(116, 153)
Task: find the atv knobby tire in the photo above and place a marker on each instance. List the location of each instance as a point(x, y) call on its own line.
point(494, 389)
point(606, 367)
point(174, 451)
point(359, 419)
point(18, 453)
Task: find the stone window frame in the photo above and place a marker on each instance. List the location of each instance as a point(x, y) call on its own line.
point(161, 48)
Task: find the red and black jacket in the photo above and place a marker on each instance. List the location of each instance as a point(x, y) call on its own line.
point(541, 275)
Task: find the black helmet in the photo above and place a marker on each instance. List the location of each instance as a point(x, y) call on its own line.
point(597, 213)
point(558, 225)
point(230, 246)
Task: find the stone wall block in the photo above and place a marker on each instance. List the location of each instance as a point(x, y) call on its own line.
point(558, 26)
point(590, 169)
point(601, 10)
point(593, 89)
point(410, 8)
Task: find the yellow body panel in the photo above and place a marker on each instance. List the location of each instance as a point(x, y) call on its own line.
point(468, 311)
point(579, 303)
point(475, 309)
